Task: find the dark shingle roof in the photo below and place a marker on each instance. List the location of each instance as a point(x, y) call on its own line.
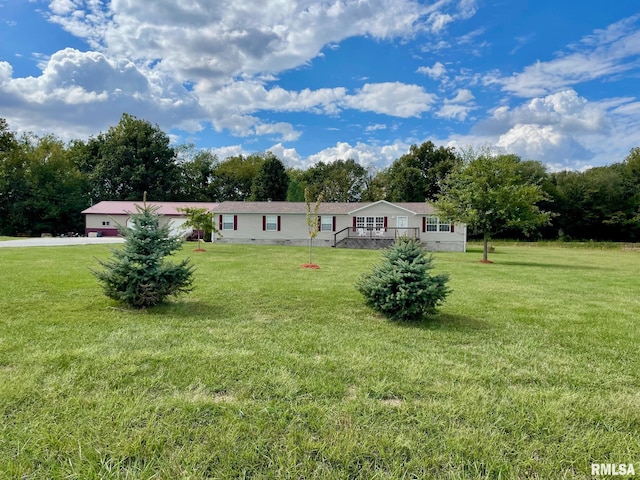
point(326, 208)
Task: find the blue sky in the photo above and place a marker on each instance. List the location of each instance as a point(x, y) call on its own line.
point(324, 80)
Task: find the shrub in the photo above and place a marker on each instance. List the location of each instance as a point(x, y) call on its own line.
point(400, 287)
point(138, 274)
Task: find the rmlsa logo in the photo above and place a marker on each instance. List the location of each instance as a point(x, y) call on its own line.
point(598, 469)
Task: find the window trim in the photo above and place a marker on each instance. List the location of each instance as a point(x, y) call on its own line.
point(271, 223)
point(228, 222)
point(433, 224)
point(327, 221)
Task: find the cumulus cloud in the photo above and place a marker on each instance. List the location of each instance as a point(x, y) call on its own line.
point(200, 40)
point(566, 110)
point(100, 87)
point(547, 142)
point(365, 154)
point(553, 129)
point(191, 63)
point(458, 107)
point(391, 98)
point(437, 71)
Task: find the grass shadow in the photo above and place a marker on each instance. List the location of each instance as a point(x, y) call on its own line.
point(550, 265)
point(449, 322)
point(183, 308)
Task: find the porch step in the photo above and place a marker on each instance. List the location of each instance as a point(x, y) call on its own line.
point(365, 243)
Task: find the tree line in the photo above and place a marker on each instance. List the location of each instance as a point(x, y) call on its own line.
point(45, 183)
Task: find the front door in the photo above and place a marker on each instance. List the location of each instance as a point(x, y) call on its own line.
point(401, 225)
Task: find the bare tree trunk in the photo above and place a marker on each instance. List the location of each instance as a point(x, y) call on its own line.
point(486, 247)
point(310, 244)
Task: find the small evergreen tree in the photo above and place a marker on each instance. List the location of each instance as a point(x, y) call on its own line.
point(137, 274)
point(400, 287)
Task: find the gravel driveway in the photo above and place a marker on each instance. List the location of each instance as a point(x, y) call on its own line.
point(59, 241)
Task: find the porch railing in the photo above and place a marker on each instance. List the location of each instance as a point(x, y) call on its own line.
point(386, 233)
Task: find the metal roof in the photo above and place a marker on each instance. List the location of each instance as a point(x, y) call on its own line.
point(126, 207)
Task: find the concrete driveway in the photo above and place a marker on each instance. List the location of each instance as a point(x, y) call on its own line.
point(60, 241)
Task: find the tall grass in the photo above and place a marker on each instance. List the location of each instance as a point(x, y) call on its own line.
point(268, 370)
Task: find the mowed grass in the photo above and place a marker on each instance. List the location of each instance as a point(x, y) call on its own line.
point(268, 370)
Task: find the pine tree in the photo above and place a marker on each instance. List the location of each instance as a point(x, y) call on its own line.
point(137, 274)
point(400, 287)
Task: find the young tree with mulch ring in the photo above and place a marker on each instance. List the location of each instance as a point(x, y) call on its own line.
point(201, 220)
point(312, 222)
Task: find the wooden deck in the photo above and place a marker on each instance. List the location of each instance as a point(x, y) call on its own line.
point(371, 239)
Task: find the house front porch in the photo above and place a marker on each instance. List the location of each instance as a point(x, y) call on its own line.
point(371, 238)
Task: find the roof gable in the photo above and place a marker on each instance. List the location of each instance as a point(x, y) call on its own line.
point(409, 208)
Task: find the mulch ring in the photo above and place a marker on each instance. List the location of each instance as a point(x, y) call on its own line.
point(310, 265)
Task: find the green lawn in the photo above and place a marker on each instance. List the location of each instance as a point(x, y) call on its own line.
point(267, 370)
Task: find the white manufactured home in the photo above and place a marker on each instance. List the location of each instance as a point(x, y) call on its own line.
point(103, 218)
point(354, 225)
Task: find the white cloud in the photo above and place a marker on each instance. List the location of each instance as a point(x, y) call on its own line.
point(603, 54)
point(458, 107)
point(203, 40)
point(437, 71)
point(452, 111)
point(365, 154)
point(546, 142)
point(565, 109)
point(555, 129)
point(438, 21)
point(283, 129)
point(463, 95)
point(391, 98)
point(100, 87)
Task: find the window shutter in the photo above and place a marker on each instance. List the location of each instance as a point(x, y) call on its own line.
point(319, 223)
point(220, 222)
point(424, 224)
point(264, 222)
point(235, 222)
point(452, 228)
point(334, 223)
point(385, 223)
point(354, 224)
point(278, 222)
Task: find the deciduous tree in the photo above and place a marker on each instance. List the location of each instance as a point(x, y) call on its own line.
point(312, 217)
point(418, 175)
point(133, 157)
point(489, 195)
point(201, 220)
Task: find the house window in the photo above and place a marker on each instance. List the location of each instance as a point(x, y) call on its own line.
point(106, 223)
point(432, 224)
point(370, 223)
point(227, 222)
point(445, 226)
point(272, 223)
point(326, 223)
